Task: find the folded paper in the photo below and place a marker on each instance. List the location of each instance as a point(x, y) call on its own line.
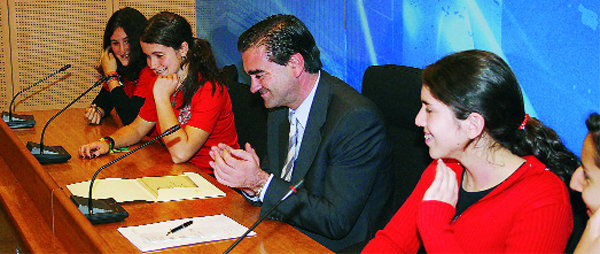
point(154, 189)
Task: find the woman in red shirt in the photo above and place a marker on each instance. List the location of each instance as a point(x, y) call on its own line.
point(186, 88)
point(586, 180)
point(488, 191)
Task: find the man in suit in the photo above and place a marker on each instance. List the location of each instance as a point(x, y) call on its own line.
point(320, 130)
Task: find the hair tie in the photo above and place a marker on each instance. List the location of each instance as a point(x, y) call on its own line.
point(522, 126)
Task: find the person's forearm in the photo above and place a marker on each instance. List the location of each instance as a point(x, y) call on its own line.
point(259, 184)
point(166, 118)
point(103, 101)
point(126, 136)
point(112, 84)
point(127, 108)
point(180, 144)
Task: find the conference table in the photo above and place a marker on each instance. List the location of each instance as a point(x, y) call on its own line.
point(37, 199)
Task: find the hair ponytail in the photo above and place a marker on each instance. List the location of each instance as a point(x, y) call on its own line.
point(543, 143)
point(200, 59)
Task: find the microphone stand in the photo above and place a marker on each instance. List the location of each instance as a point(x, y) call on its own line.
point(59, 154)
point(117, 212)
point(292, 190)
point(166, 133)
point(26, 121)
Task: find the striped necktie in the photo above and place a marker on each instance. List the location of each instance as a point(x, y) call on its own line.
point(286, 172)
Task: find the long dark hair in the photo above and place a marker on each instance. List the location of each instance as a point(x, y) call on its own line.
point(283, 36)
point(133, 22)
point(593, 125)
point(171, 30)
point(477, 81)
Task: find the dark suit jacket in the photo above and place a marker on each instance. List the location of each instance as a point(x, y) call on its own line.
point(345, 162)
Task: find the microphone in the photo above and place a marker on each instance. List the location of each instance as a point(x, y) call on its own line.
point(55, 154)
point(293, 189)
point(15, 121)
point(110, 211)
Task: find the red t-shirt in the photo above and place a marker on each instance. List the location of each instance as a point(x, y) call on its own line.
point(207, 111)
point(145, 83)
point(529, 212)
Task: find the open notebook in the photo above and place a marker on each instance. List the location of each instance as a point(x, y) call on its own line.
point(156, 189)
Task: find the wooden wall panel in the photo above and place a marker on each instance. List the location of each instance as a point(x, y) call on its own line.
point(5, 84)
point(49, 34)
point(185, 8)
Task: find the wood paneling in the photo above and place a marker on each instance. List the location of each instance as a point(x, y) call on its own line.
point(185, 8)
point(46, 36)
point(5, 84)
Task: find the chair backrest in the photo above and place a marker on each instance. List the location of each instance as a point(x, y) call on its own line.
point(396, 90)
point(249, 113)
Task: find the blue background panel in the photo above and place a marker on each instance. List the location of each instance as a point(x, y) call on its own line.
point(552, 46)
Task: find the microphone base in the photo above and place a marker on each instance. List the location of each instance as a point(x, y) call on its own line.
point(110, 210)
point(50, 155)
point(18, 121)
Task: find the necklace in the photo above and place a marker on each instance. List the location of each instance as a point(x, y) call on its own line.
point(174, 96)
point(179, 87)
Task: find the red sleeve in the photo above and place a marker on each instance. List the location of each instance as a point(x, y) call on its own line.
point(544, 226)
point(145, 80)
point(400, 235)
point(539, 228)
point(434, 226)
point(146, 83)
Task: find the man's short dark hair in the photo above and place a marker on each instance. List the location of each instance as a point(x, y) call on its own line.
point(283, 36)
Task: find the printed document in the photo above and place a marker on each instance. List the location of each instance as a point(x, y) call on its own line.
point(154, 236)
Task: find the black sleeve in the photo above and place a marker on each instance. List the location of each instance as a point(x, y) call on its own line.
point(104, 101)
point(127, 108)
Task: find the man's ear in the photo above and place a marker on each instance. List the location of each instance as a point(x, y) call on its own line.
point(296, 63)
point(475, 124)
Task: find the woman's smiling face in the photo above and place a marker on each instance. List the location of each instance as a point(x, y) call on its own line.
point(119, 43)
point(444, 133)
point(161, 59)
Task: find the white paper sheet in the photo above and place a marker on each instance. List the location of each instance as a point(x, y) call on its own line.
point(152, 237)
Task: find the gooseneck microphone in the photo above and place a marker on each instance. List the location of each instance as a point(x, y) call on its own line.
point(15, 121)
point(55, 154)
point(293, 189)
point(115, 212)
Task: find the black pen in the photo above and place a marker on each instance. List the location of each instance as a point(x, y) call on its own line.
point(180, 227)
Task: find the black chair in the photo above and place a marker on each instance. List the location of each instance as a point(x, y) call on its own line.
point(249, 113)
point(396, 90)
